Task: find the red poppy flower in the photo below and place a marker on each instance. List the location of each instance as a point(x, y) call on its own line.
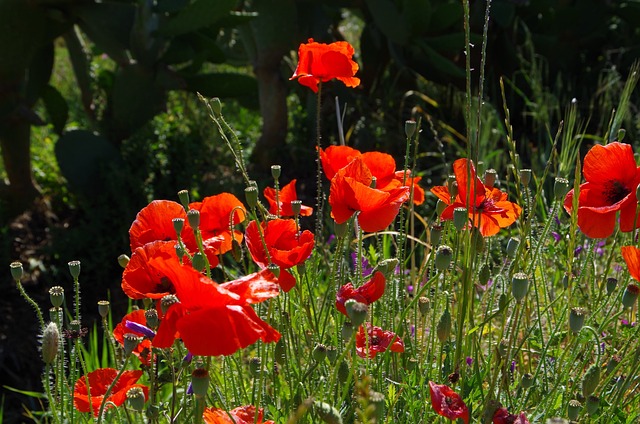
point(286, 245)
point(502, 416)
point(631, 255)
point(143, 350)
point(142, 281)
point(489, 209)
point(214, 319)
point(611, 176)
point(239, 415)
point(381, 165)
point(376, 341)
point(99, 382)
point(368, 293)
point(447, 403)
point(319, 62)
point(286, 195)
point(351, 191)
point(154, 222)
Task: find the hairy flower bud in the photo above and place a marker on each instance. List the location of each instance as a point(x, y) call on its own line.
point(50, 341)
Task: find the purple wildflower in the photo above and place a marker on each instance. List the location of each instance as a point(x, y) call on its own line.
point(139, 328)
point(469, 360)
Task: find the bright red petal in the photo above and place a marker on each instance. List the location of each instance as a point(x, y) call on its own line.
point(614, 161)
point(631, 255)
point(139, 280)
point(465, 174)
point(155, 222)
point(334, 158)
point(382, 166)
point(447, 403)
point(254, 288)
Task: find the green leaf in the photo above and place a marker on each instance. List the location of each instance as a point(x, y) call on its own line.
point(389, 20)
point(223, 85)
point(417, 15)
point(82, 156)
point(26, 392)
point(39, 72)
point(441, 63)
point(199, 14)
point(445, 16)
point(108, 25)
point(56, 106)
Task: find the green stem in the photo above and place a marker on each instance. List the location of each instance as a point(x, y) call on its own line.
point(110, 388)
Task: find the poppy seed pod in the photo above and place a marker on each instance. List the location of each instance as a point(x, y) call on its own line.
point(590, 380)
point(340, 229)
point(280, 352)
point(424, 305)
point(183, 196)
point(276, 170)
point(198, 262)
point(136, 399)
point(50, 341)
point(74, 269)
point(236, 250)
point(374, 181)
point(103, 308)
point(519, 286)
point(560, 188)
point(444, 254)
point(167, 301)
point(193, 216)
point(490, 177)
point(612, 283)
point(525, 176)
point(630, 295)
point(178, 225)
point(436, 231)
point(460, 218)
point(151, 318)
point(56, 296)
point(347, 330)
point(343, 371)
point(296, 207)
point(123, 260)
point(251, 196)
point(356, 311)
point(443, 329)
point(410, 128)
point(527, 380)
point(274, 269)
point(387, 266)
point(440, 207)
point(576, 319)
point(255, 366)
point(200, 382)
point(452, 185)
point(573, 409)
point(319, 352)
point(131, 341)
point(16, 270)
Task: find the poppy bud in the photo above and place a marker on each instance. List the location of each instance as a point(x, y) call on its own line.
point(409, 128)
point(560, 188)
point(387, 266)
point(440, 207)
point(178, 225)
point(356, 311)
point(590, 380)
point(200, 382)
point(319, 352)
point(376, 399)
point(512, 247)
point(490, 177)
point(131, 341)
point(103, 308)
point(123, 260)
point(477, 241)
point(136, 399)
point(50, 340)
point(452, 185)
point(630, 295)
point(527, 380)
point(296, 207)
point(183, 196)
point(374, 181)
point(611, 285)
point(275, 171)
point(444, 254)
point(621, 133)
point(423, 305)
point(16, 270)
point(343, 371)
point(179, 251)
point(519, 286)
point(593, 403)
point(525, 176)
point(573, 410)
point(74, 269)
point(193, 216)
point(167, 301)
point(332, 354)
point(56, 296)
point(460, 218)
point(151, 318)
point(198, 262)
point(576, 319)
point(255, 366)
point(275, 269)
point(347, 330)
point(327, 413)
point(436, 232)
point(251, 196)
point(216, 106)
point(484, 274)
point(503, 302)
point(340, 229)
point(55, 313)
point(443, 329)
point(236, 250)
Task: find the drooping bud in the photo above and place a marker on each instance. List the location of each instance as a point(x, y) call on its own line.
point(444, 254)
point(136, 399)
point(200, 381)
point(332, 354)
point(255, 366)
point(56, 296)
point(527, 380)
point(16, 270)
point(74, 269)
point(50, 341)
point(123, 260)
point(409, 128)
point(103, 308)
point(183, 196)
point(519, 286)
point(356, 311)
point(484, 274)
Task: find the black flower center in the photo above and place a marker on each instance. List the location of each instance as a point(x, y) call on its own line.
point(615, 191)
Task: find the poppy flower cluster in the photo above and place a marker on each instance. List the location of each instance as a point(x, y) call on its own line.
point(611, 179)
point(448, 403)
point(502, 416)
point(366, 183)
point(143, 350)
point(375, 340)
point(368, 293)
point(239, 415)
point(319, 62)
point(488, 207)
point(281, 206)
point(99, 382)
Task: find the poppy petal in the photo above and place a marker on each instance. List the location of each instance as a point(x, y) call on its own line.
point(631, 255)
